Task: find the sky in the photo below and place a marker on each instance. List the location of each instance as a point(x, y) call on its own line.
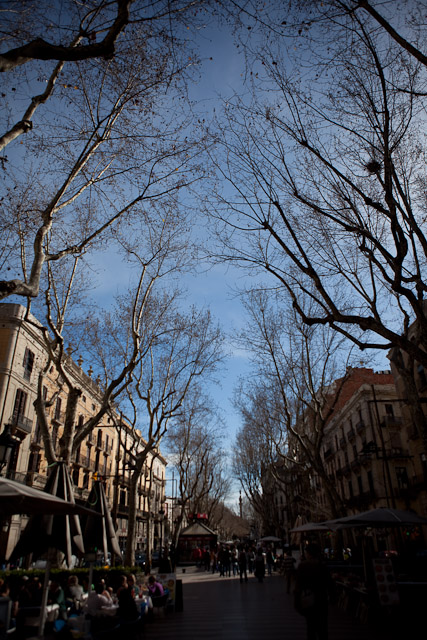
point(214, 287)
point(221, 73)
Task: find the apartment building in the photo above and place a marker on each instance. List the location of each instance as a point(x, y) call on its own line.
point(104, 452)
point(366, 451)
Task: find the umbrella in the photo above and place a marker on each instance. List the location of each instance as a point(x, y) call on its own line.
point(270, 539)
point(312, 526)
point(381, 517)
point(99, 533)
point(46, 530)
point(19, 498)
point(296, 538)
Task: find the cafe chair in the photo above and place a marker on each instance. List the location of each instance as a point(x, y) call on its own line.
point(160, 603)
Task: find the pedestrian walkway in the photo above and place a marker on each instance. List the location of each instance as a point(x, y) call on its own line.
point(222, 608)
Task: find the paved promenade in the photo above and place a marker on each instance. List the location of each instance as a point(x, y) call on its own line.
point(221, 608)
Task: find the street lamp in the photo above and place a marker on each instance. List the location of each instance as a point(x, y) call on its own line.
point(161, 522)
point(7, 445)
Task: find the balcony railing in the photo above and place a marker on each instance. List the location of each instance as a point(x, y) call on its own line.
point(36, 438)
point(22, 423)
point(58, 417)
point(391, 421)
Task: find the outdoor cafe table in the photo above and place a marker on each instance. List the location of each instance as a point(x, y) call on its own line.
point(144, 603)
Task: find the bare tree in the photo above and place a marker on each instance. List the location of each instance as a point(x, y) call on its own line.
point(36, 34)
point(189, 350)
point(102, 166)
point(295, 391)
point(194, 443)
point(328, 173)
point(116, 342)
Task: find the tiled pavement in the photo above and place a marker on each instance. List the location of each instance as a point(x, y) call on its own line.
point(221, 608)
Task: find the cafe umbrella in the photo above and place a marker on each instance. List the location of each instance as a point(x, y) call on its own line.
point(47, 533)
point(99, 532)
point(379, 518)
point(60, 531)
point(16, 497)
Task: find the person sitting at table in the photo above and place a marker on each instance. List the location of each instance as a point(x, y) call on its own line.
point(24, 596)
point(96, 601)
point(35, 589)
point(107, 590)
point(74, 590)
point(128, 611)
point(123, 584)
point(131, 580)
point(155, 588)
point(5, 593)
point(56, 596)
point(73, 594)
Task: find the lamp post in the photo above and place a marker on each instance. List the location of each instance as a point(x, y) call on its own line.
point(161, 522)
point(7, 445)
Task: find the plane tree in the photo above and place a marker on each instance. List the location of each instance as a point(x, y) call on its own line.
point(194, 443)
point(325, 181)
point(299, 373)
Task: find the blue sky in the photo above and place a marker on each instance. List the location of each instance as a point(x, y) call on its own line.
point(221, 73)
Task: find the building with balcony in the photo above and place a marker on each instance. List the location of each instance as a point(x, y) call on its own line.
point(365, 450)
point(104, 452)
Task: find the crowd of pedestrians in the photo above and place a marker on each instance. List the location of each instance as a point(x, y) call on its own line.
point(310, 583)
point(237, 560)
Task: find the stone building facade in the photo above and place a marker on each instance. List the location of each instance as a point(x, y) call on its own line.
point(102, 453)
point(370, 450)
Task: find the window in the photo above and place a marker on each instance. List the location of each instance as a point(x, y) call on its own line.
point(57, 415)
point(402, 477)
point(34, 462)
point(422, 376)
point(371, 482)
point(28, 363)
point(360, 484)
point(76, 474)
point(396, 440)
point(19, 407)
point(350, 489)
point(389, 410)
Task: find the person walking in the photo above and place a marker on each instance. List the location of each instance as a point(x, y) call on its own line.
point(313, 586)
point(213, 560)
point(226, 560)
point(243, 563)
point(259, 565)
point(270, 560)
point(289, 570)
